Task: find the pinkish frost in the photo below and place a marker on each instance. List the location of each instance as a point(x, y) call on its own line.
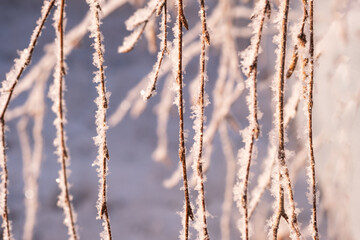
point(100, 116)
point(56, 93)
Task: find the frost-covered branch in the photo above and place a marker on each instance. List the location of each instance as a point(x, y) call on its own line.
point(251, 133)
point(264, 180)
point(71, 39)
point(315, 232)
point(150, 90)
point(229, 181)
point(283, 171)
point(56, 93)
point(101, 125)
point(188, 213)
point(198, 114)
point(6, 93)
point(300, 41)
point(138, 21)
point(32, 157)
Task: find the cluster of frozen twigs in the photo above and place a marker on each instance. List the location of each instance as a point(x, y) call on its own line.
point(218, 27)
point(227, 90)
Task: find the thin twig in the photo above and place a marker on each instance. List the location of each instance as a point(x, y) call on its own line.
point(30, 188)
point(154, 75)
point(6, 92)
point(252, 132)
point(310, 125)
point(58, 107)
point(229, 181)
point(6, 225)
point(162, 110)
point(301, 41)
point(179, 81)
point(32, 158)
point(139, 25)
point(131, 40)
point(101, 125)
point(17, 71)
point(72, 39)
point(283, 171)
point(264, 179)
point(199, 128)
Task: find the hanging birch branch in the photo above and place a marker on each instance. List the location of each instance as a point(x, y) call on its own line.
point(315, 232)
point(6, 93)
point(101, 125)
point(251, 133)
point(56, 93)
point(283, 171)
point(198, 114)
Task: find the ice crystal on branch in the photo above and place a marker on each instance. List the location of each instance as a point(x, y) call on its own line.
point(100, 116)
